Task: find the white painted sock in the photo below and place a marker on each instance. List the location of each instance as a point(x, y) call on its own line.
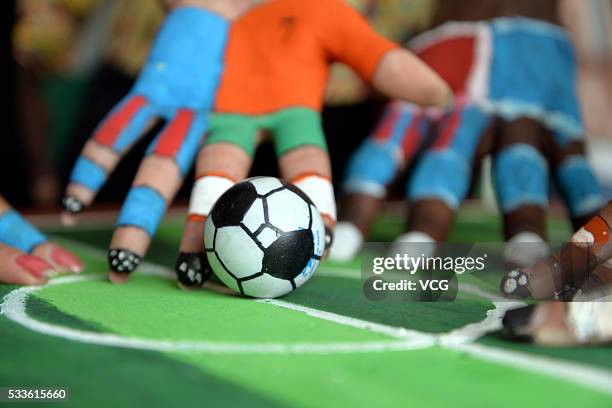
point(347, 242)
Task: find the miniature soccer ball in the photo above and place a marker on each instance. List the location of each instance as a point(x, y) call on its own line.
point(264, 238)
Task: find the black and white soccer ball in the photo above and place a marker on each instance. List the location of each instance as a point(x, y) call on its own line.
point(264, 238)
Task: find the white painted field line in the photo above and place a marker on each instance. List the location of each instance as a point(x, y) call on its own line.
point(391, 331)
point(492, 322)
point(588, 376)
point(462, 339)
point(14, 308)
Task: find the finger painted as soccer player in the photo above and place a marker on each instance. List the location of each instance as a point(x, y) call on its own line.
point(576, 179)
point(441, 179)
point(20, 268)
point(391, 149)
point(586, 321)
point(582, 261)
point(219, 166)
point(285, 97)
point(177, 84)
point(38, 252)
point(521, 171)
point(157, 181)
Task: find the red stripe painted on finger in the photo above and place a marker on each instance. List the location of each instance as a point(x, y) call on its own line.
point(110, 129)
point(413, 137)
point(448, 133)
point(174, 134)
point(385, 130)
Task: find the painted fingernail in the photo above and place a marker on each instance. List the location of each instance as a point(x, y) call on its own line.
point(64, 258)
point(36, 266)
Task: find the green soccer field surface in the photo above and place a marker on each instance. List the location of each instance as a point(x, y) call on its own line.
point(324, 345)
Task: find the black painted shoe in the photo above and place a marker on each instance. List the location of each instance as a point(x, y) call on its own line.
point(516, 323)
point(123, 261)
point(72, 205)
point(515, 285)
point(192, 269)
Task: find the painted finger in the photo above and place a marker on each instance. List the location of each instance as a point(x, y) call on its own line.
point(402, 75)
point(17, 267)
point(587, 321)
point(309, 169)
point(169, 157)
point(16, 232)
point(121, 128)
point(219, 167)
point(392, 70)
point(61, 259)
point(562, 274)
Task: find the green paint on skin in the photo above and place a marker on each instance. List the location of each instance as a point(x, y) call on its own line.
point(432, 377)
point(155, 308)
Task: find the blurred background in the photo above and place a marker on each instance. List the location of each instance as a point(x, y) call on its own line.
point(67, 62)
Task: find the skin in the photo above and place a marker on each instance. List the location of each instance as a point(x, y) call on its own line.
point(223, 158)
point(18, 267)
point(231, 160)
point(360, 210)
point(433, 216)
point(557, 155)
point(399, 74)
point(430, 216)
point(578, 263)
point(528, 218)
point(548, 324)
point(421, 86)
point(158, 172)
point(163, 175)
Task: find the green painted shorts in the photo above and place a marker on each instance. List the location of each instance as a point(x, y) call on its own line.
point(290, 128)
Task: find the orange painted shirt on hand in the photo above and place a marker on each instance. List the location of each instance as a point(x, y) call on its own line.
point(278, 54)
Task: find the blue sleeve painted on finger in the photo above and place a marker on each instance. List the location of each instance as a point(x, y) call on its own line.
point(144, 208)
point(18, 233)
point(88, 173)
point(442, 174)
point(521, 177)
point(577, 180)
point(372, 168)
